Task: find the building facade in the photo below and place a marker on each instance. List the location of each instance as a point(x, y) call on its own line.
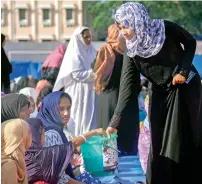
point(40, 20)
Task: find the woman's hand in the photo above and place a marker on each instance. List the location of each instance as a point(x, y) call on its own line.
point(100, 131)
point(93, 76)
point(178, 79)
point(77, 141)
point(110, 131)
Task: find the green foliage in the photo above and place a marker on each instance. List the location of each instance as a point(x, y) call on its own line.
point(186, 13)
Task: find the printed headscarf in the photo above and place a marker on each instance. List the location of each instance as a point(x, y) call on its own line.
point(149, 33)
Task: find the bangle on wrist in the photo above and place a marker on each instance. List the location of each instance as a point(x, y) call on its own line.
point(183, 73)
point(83, 137)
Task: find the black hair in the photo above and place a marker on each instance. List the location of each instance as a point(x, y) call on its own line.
point(32, 82)
point(50, 74)
point(43, 93)
point(67, 96)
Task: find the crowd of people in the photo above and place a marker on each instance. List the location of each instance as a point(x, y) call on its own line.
point(140, 85)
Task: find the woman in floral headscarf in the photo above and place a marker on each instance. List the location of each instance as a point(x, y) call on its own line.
point(154, 48)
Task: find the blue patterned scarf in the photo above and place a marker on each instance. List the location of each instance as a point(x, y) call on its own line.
point(149, 33)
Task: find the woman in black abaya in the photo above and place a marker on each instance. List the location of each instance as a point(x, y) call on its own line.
point(108, 68)
point(154, 49)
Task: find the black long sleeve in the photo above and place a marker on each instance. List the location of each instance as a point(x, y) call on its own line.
point(6, 67)
point(188, 41)
point(129, 91)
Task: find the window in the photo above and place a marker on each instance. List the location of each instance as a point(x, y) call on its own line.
point(2, 17)
point(70, 17)
point(46, 18)
point(46, 40)
point(23, 17)
point(22, 40)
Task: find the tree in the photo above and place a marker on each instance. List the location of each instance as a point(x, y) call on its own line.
point(185, 13)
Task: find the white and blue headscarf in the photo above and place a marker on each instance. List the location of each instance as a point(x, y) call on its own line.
point(149, 33)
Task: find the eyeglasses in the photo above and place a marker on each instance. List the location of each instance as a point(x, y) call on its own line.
point(87, 36)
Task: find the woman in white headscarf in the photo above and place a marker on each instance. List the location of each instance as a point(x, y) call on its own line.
point(32, 95)
point(77, 79)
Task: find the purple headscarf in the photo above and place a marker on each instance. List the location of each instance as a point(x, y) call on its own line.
point(149, 33)
point(36, 127)
point(46, 164)
point(49, 112)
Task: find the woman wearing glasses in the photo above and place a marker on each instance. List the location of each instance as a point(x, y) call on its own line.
point(77, 79)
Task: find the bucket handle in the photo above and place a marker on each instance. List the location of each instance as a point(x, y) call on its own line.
point(111, 147)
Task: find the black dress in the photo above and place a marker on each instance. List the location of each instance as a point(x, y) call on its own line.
point(173, 110)
point(127, 139)
point(6, 69)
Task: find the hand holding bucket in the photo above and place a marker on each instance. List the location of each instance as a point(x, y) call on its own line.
point(110, 131)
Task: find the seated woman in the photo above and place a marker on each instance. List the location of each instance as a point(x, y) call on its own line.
point(47, 164)
point(32, 95)
point(23, 82)
point(54, 114)
point(14, 106)
point(15, 140)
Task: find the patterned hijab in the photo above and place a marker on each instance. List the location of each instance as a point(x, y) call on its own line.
point(105, 58)
point(149, 33)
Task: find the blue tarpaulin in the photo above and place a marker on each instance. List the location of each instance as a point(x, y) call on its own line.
point(198, 63)
point(25, 68)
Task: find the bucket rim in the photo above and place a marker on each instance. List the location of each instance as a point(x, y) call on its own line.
point(113, 136)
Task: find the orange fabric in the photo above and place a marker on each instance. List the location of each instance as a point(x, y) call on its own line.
point(105, 59)
point(15, 139)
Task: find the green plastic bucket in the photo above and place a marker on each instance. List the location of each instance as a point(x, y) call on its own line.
point(100, 155)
